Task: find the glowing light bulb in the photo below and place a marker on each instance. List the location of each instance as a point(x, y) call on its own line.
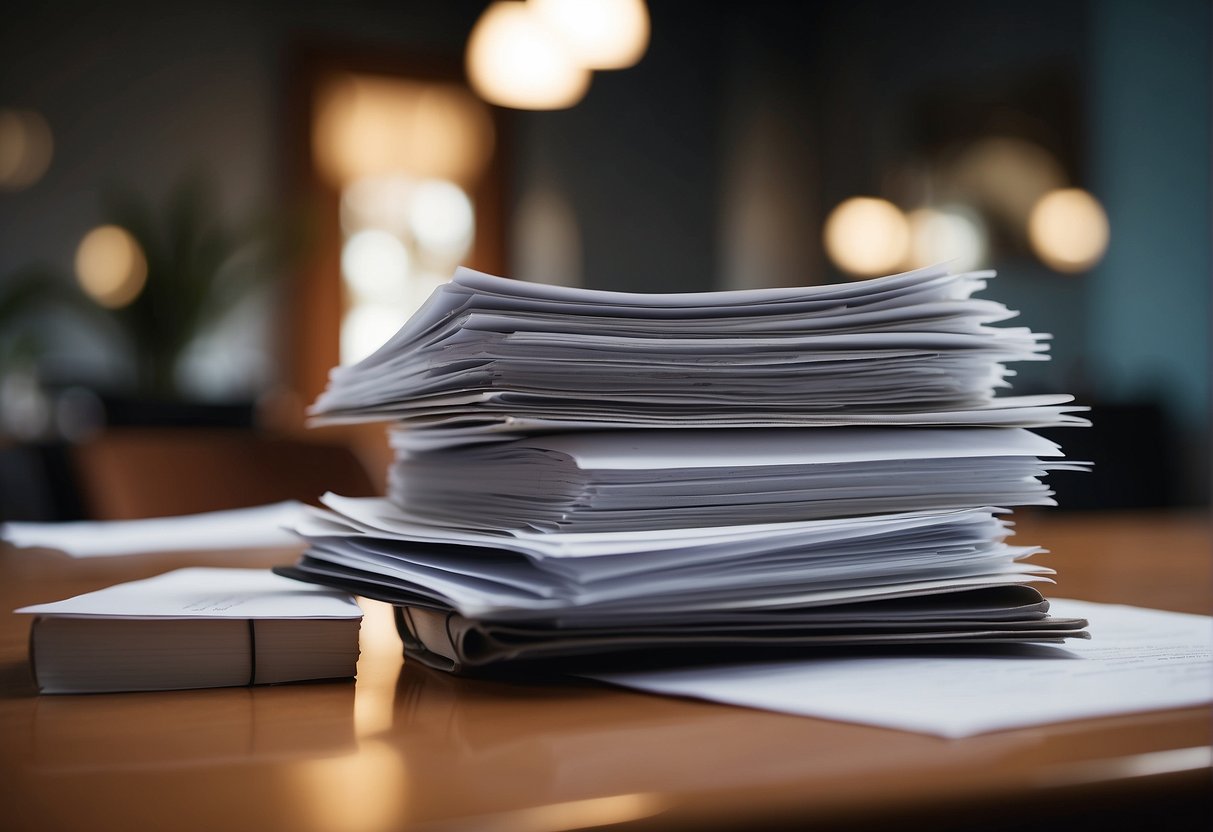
point(954, 234)
point(1068, 230)
point(366, 328)
point(866, 236)
point(1007, 175)
point(515, 60)
point(372, 126)
point(441, 219)
point(110, 266)
point(600, 34)
point(377, 202)
point(375, 265)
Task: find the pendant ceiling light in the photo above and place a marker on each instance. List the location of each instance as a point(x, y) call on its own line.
point(515, 60)
point(601, 34)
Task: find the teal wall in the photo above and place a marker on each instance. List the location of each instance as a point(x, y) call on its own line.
point(1149, 314)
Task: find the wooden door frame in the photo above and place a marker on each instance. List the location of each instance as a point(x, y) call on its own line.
point(313, 304)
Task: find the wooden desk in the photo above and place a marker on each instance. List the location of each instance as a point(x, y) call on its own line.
point(406, 747)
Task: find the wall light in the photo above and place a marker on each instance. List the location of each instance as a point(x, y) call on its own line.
point(110, 266)
point(365, 328)
point(442, 220)
point(26, 147)
point(951, 233)
point(1068, 230)
point(381, 202)
point(600, 34)
point(375, 265)
point(866, 236)
point(1007, 176)
point(516, 60)
point(370, 126)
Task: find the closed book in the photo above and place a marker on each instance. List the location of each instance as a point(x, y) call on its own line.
point(194, 628)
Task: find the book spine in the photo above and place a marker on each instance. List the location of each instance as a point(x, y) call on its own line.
point(252, 652)
point(33, 652)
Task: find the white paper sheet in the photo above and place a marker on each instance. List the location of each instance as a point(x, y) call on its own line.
point(202, 592)
point(381, 519)
point(1137, 660)
point(647, 450)
point(243, 528)
point(642, 480)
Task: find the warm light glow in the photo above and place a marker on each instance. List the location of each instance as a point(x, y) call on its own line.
point(110, 266)
point(26, 147)
point(1008, 176)
point(360, 792)
point(365, 328)
point(372, 126)
point(866, 236)
point(405, 237)
point(951, 234)
point(441, 220)
point(515, 60)
point(379, 661)
point(377, 202)
point(590, 813)
point(375, 265)
point(422, 286)
point(1068, 230)
point(600, 34)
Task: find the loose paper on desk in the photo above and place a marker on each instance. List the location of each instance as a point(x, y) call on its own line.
point(256, 527)
point(203, 592)
point(1137, 660)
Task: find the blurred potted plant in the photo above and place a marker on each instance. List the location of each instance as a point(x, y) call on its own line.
point(22, 405)
point(198, 268)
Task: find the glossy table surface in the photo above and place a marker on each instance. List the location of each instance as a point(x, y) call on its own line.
point(406, 747)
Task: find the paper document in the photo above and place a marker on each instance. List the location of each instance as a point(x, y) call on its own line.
point(201, 592)
point(193, 628)
point(487, 358)
point(651, 480)
point(1137, 660)
point(257, 527)
point(581, 475)
point(626, 575)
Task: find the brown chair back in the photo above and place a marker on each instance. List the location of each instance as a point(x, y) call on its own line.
point(127, 473)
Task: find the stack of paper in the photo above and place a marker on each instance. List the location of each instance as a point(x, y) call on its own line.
point(640, 480)
point(581, 472)
point(487, 358)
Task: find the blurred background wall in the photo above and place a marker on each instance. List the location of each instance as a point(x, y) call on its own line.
point(715, 162)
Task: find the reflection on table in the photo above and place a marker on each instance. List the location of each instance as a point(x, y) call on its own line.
point(409, 747)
